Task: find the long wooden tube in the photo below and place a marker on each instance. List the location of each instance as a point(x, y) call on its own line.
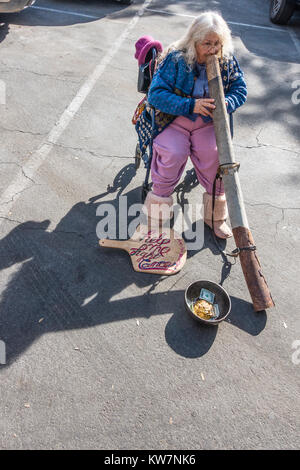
point(256, 282)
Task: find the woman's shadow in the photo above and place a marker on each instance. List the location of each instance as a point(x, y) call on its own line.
point(62, 280)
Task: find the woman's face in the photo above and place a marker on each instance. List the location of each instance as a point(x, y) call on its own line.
point(211, 45)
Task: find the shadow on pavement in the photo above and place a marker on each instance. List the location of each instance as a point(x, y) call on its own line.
point(192, 339)
point(249, 21)
point(243, 316)
point(276, 98)
point(65, 281)
point(4, 30)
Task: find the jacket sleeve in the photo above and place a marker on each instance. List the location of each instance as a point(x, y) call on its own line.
point(237, 92)
point(162, 90)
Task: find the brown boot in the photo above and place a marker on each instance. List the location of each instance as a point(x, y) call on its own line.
point(221, 229)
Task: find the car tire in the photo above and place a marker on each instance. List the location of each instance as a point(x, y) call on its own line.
point(281, 11)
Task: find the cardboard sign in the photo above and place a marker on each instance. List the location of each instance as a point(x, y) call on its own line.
point(152, 250)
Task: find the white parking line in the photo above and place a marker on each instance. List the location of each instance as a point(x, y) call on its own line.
point(295, 40)
point(24, 177)
point(66, 12)
point(78, 15)
point(229, 22)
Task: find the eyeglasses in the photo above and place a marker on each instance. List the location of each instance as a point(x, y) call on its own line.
point(209, 45)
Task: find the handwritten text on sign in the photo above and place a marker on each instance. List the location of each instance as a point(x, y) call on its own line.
point(151, 253)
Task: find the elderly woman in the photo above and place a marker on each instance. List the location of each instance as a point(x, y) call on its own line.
point(183, 121)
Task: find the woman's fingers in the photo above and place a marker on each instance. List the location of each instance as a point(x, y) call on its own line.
point(208, 102)
point(209, 105)
point(205, 112)
point(204, 105)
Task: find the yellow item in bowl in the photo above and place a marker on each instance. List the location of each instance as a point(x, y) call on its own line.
point(204, 310)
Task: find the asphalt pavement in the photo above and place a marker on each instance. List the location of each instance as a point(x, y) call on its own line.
point(95, 355)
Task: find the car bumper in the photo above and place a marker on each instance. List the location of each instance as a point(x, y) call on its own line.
point(12, 6)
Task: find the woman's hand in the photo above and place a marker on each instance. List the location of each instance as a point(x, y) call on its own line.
point(204, 106)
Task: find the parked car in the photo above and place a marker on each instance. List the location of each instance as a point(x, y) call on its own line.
point(282, 10)
point(10, 6)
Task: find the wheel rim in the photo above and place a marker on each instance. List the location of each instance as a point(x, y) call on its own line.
point(276, 6)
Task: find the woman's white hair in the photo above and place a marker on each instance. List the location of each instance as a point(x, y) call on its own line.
point(207, 22)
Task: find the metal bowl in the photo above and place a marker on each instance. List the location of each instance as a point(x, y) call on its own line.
point(192, 292)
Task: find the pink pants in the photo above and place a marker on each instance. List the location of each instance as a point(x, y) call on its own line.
point(171, 149)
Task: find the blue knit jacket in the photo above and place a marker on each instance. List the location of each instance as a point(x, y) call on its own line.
point(171, 89)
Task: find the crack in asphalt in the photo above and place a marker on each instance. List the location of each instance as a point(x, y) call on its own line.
point(262, 144)
point(19, 192)
point(271, 205)
point(66, 79)
point(11, 220)
point(10, 200)
point(22, 132)
point(282, 209)
point(98, 155)
point(20, 166)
